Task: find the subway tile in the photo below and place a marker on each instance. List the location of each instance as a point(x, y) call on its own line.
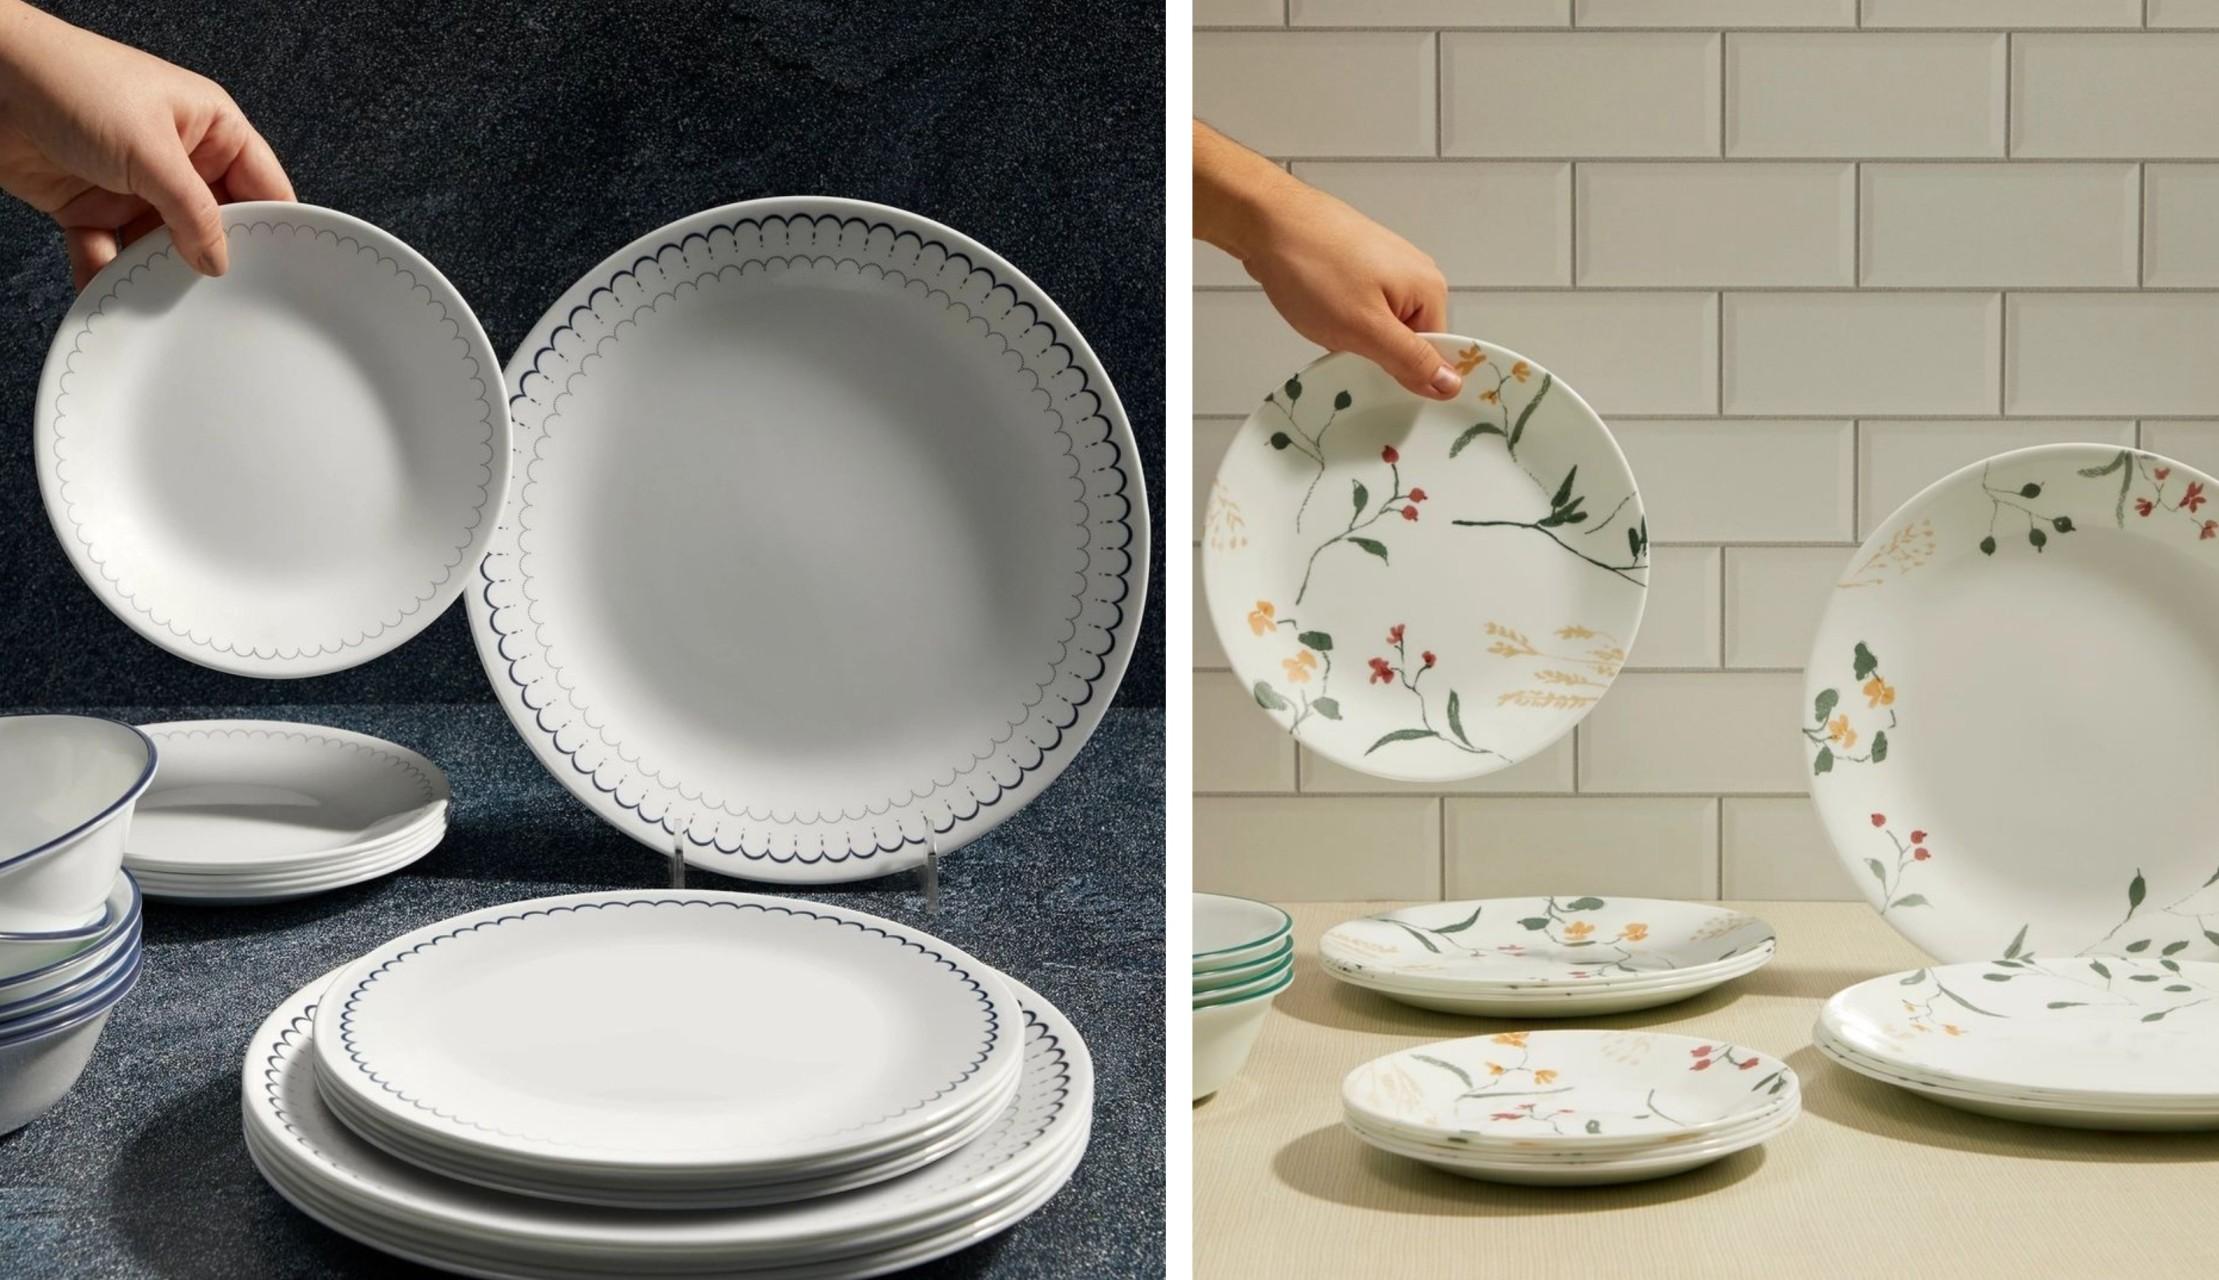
point(2195, 442)
point(1209, 655)
point(1743, 481)
point(1865, 95)
point(1679, 623)
point(1212, 437)
point(1318, 848)
point(1774, 596)
point(1717, 224)
point(1715, 13)
point(1701, 732)
point(2184, 13)
point(2180, 225)
point(1549, 771)
point(1776, 850)
point(1654, 847)
point(1242, 349)
point(1898, 459)
point(1431, 13)
point(1236, 746)
point(1213, 267)
point(1929, 225)
point(1813, 353)
point(1580, 94)
point(1318, 93)
point(2003, 13)
point(2115, 96)
point(1505, 223)
point(1240, 13)
point(1623, 352)
point(2089, 353)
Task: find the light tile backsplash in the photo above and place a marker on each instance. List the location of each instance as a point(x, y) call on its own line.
point(1806, 257)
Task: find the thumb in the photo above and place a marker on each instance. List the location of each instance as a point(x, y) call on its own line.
point(166, 179)
point(1408, 359)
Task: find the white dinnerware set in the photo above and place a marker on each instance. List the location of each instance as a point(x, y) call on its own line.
point(69, 913)
point(564, 1086)
point(1243, 959)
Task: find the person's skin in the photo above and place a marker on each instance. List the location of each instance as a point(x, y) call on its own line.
point(111, 143)
point(1337, 278)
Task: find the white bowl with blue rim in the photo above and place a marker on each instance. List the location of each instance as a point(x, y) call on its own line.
point(120, 927)
point(42, 1055)
point(67, 787)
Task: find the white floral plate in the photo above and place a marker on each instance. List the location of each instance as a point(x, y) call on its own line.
point(2090, 1028)
point(1502, 944)
point(1985, 771)
point(1419, 590)
point(2072, 1115)
point(285, 470)
point(1661, 1163)
point(827, 545)
point(1558, 1002)
point(1552, 1088)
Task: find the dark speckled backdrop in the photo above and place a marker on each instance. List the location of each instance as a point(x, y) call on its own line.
point(517, 144)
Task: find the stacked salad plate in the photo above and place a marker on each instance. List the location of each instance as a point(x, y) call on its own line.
point(1562, 1108)
point(264, 810)
point(540, 1088)
point(1243, 959)
point(2092, 1042)
point(1546, 957)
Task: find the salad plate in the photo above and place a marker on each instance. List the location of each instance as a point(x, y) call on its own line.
point(286, 470)
point(1971, 753)
point(1419, 590)
point(1547, 942)
point(852, 1036)
point(826, 546)
point(1663, 1162)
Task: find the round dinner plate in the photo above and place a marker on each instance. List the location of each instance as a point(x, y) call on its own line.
point(827, 545)
point(1420, 590)
point(2070, 1115)
point(1984, 775)
point(1550, 943)
point(285, 470)
point(684, 1038)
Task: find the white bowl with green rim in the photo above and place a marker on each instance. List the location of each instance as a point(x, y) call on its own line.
point(1235, 975)
point(1224, 1034)
point(1230, 932)
point(1270, 984)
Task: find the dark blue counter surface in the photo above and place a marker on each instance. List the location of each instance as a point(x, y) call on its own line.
point(141, 1171)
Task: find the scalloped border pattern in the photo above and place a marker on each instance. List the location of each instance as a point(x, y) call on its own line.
point(129, 597)
point(347, 1008)
point(621, 775)
point(312, 738)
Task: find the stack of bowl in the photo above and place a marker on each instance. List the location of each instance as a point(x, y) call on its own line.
point(69, 915)
point(1243, 957)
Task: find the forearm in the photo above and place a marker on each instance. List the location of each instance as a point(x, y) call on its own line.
point(28, 39)
point(1235, 191)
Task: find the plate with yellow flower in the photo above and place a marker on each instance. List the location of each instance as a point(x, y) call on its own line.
point(1982, 725)
point(1426, 590)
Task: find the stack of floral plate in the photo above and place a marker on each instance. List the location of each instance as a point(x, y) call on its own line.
point(2091, 1042)
point(533, 1089)
point(260, 811)
point(1546, 957)
point(1570, 1107)
point(1243, 958)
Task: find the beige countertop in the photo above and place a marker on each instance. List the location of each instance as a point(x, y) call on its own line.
point(1871, 1181)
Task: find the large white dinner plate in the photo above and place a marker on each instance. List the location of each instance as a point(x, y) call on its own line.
point(1422, 590)
point(1976, 750)
point(302, 1147)
point(827, 546)
point(268, 795)
point(583, 1034)
point(285, 470)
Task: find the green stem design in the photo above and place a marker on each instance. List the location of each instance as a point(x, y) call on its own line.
point(1625, 570)
point(1309, 445)
point(1425, 729)
point(1357, 523)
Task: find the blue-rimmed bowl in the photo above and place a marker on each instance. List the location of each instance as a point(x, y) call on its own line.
point(67, 787)
point(114, 955)
point(73, 957)
point(41, 1058)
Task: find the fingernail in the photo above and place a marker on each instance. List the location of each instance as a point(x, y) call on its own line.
point(1446, 381)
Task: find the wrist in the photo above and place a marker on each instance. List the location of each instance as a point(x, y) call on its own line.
point(1238, 195)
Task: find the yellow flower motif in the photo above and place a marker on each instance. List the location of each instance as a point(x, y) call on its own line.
point(1879, 693)
point(1300, 666)
point(1634, 933)
point(1521, 371)
point(1578, 929)
point(1491, 397)
point(1953, 1029)
point(1260, 617)
point(1515, 1039)
point(1469, 358)
point(1543, 1076)
point(1843, 736)
point(1495, 1068)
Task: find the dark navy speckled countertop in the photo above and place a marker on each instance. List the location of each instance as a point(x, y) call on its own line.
point(141, 1170)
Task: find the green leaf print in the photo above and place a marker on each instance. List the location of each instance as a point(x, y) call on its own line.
point(1342, 401)
point(1594, 1126)
point(1865, 663)
point(2066, 1004)
point(1400, 735)
point(1293, 388)
point(1474, 432)
point(1456, 718)
point(1823, 706)
point(1535, 924)
point(1909, 900)
point(2038, 538)
point(1518, 431)
point(2101, 972)
point(2030, 490)
point(1449, 1067)
point(1584, 904)
point(2018, 944)
point(1423, 941)
point(2137, 947)
point(1879, 871)
point(1361, 495)
point(1564, 491)
point(1330, 708)
point(2175, 948)
point(2137, 890)
point(1280, 440)
point(1269, 699)
point(1879, 746)
point(1374, 546)
point(2107, 468)
point(1463, 924)
point(1317, 640)
point(1825, 761)
point(1988, 545)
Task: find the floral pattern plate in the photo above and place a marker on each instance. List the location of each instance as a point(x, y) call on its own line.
point(2069, 1114)
point(1566, 1089)
point(1976, 739)
point(1426, 591)
point(1546, 944)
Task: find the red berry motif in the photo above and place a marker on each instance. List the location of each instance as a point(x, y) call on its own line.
point(1394, 634)
point(1388, 455)
point(2162, 472)
point(1410, 514)
point(1702, 1065)
point(1428, 656)
point(1920, 855)
point(1879, 819)
point(1417, 495)
point(1918, 837)
point(1700, 1051)
point(1747, 1063)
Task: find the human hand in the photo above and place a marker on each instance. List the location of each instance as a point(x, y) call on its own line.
point(112, 142)
point(1336, 277)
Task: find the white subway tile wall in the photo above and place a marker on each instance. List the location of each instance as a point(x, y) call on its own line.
point(1805, 257)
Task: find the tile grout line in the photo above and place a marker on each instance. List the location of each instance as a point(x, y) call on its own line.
point(1440, 94)
point(2010, 73)
point(2142, 216)
point(1722, 80)
point(1572, 168)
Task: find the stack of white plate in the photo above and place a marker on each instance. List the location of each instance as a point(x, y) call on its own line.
point(262, 810)
point(1546, 957)
point(1570, 1107)
point(1243, 958)
point(2089, 1042)
point(532, 1089)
